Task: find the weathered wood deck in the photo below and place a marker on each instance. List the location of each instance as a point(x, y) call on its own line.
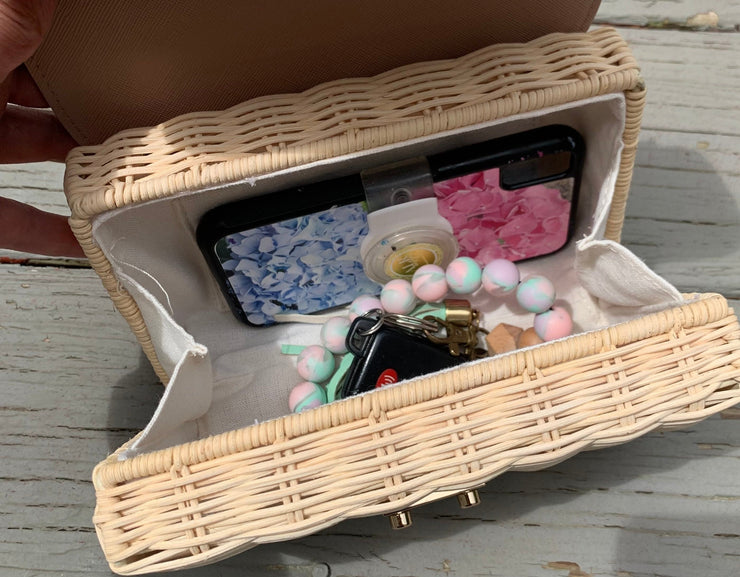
point(75, 385)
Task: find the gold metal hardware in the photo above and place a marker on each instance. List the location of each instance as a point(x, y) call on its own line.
point(459, 312)
point(400, 520)
point(469, 498)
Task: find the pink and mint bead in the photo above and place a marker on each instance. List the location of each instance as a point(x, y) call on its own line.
point(334, 334)
point(429, 283)
point(463, 275)
point(536, 294)
point(315, 363)
point(553, 324)
point(500, 276)
point(363, 304)
point(398, 297)
point(306, 395)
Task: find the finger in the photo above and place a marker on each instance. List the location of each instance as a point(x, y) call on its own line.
point(23, 90)
point(23, 24)
point(32, 135)
point(28, 229)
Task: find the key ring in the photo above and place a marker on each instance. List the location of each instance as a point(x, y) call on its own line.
point(405, 322)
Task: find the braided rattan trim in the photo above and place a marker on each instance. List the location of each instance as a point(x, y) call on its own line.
point(270, 133)
point(392, 448)
point(580, 350)
point(198, 150)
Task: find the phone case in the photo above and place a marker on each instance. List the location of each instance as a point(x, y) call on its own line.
point(303, 250)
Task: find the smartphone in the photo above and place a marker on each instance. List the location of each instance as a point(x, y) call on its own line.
point(298, 250)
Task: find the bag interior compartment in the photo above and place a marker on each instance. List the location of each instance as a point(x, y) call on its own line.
point(226, 375)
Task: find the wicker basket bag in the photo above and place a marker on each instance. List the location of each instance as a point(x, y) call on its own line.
point(216, 472)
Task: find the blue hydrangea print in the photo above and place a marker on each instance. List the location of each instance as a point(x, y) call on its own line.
point(303, 265)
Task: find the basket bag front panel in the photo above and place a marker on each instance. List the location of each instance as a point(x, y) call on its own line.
point(432, 437)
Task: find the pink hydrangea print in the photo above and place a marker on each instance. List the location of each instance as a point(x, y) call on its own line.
point(490, 222)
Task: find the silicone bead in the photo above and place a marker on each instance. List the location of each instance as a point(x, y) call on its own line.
point(500, 276)
point(553, 324)
point(334, 334)
point(463, 275)
point(363, 304)
point(306, 395)
point(315, 363)
point(536, 294)
point(429, 283)
point(398, 297)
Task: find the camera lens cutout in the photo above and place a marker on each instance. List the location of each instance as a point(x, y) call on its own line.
point(535, 170)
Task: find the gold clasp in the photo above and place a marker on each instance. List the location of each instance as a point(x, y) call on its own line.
point(460, 329)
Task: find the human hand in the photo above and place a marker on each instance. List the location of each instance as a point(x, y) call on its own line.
point(29, 132)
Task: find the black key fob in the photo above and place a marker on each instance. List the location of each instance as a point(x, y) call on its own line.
point(388, 354)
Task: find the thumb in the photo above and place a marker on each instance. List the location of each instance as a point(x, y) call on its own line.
point(23, 24)
point(28, 229)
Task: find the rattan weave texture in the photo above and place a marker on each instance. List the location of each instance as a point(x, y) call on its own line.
point(386, 451)
point(198, 502)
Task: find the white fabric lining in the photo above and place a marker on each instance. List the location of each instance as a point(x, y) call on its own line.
point(189, 393)
point(152, 248)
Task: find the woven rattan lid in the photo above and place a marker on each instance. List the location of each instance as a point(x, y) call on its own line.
point(107, 66)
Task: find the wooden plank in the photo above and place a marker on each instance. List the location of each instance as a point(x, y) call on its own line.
point(683, 212)
point(38, 183)
point(692, 80)
point(666, 14)
point(683, 216)
point(76, 385)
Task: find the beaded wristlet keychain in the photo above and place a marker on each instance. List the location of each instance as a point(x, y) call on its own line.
point(430, 284)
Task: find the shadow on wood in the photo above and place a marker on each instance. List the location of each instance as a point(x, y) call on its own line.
point(681, 218)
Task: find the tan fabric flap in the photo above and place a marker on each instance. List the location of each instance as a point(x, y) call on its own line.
point(107, 66)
